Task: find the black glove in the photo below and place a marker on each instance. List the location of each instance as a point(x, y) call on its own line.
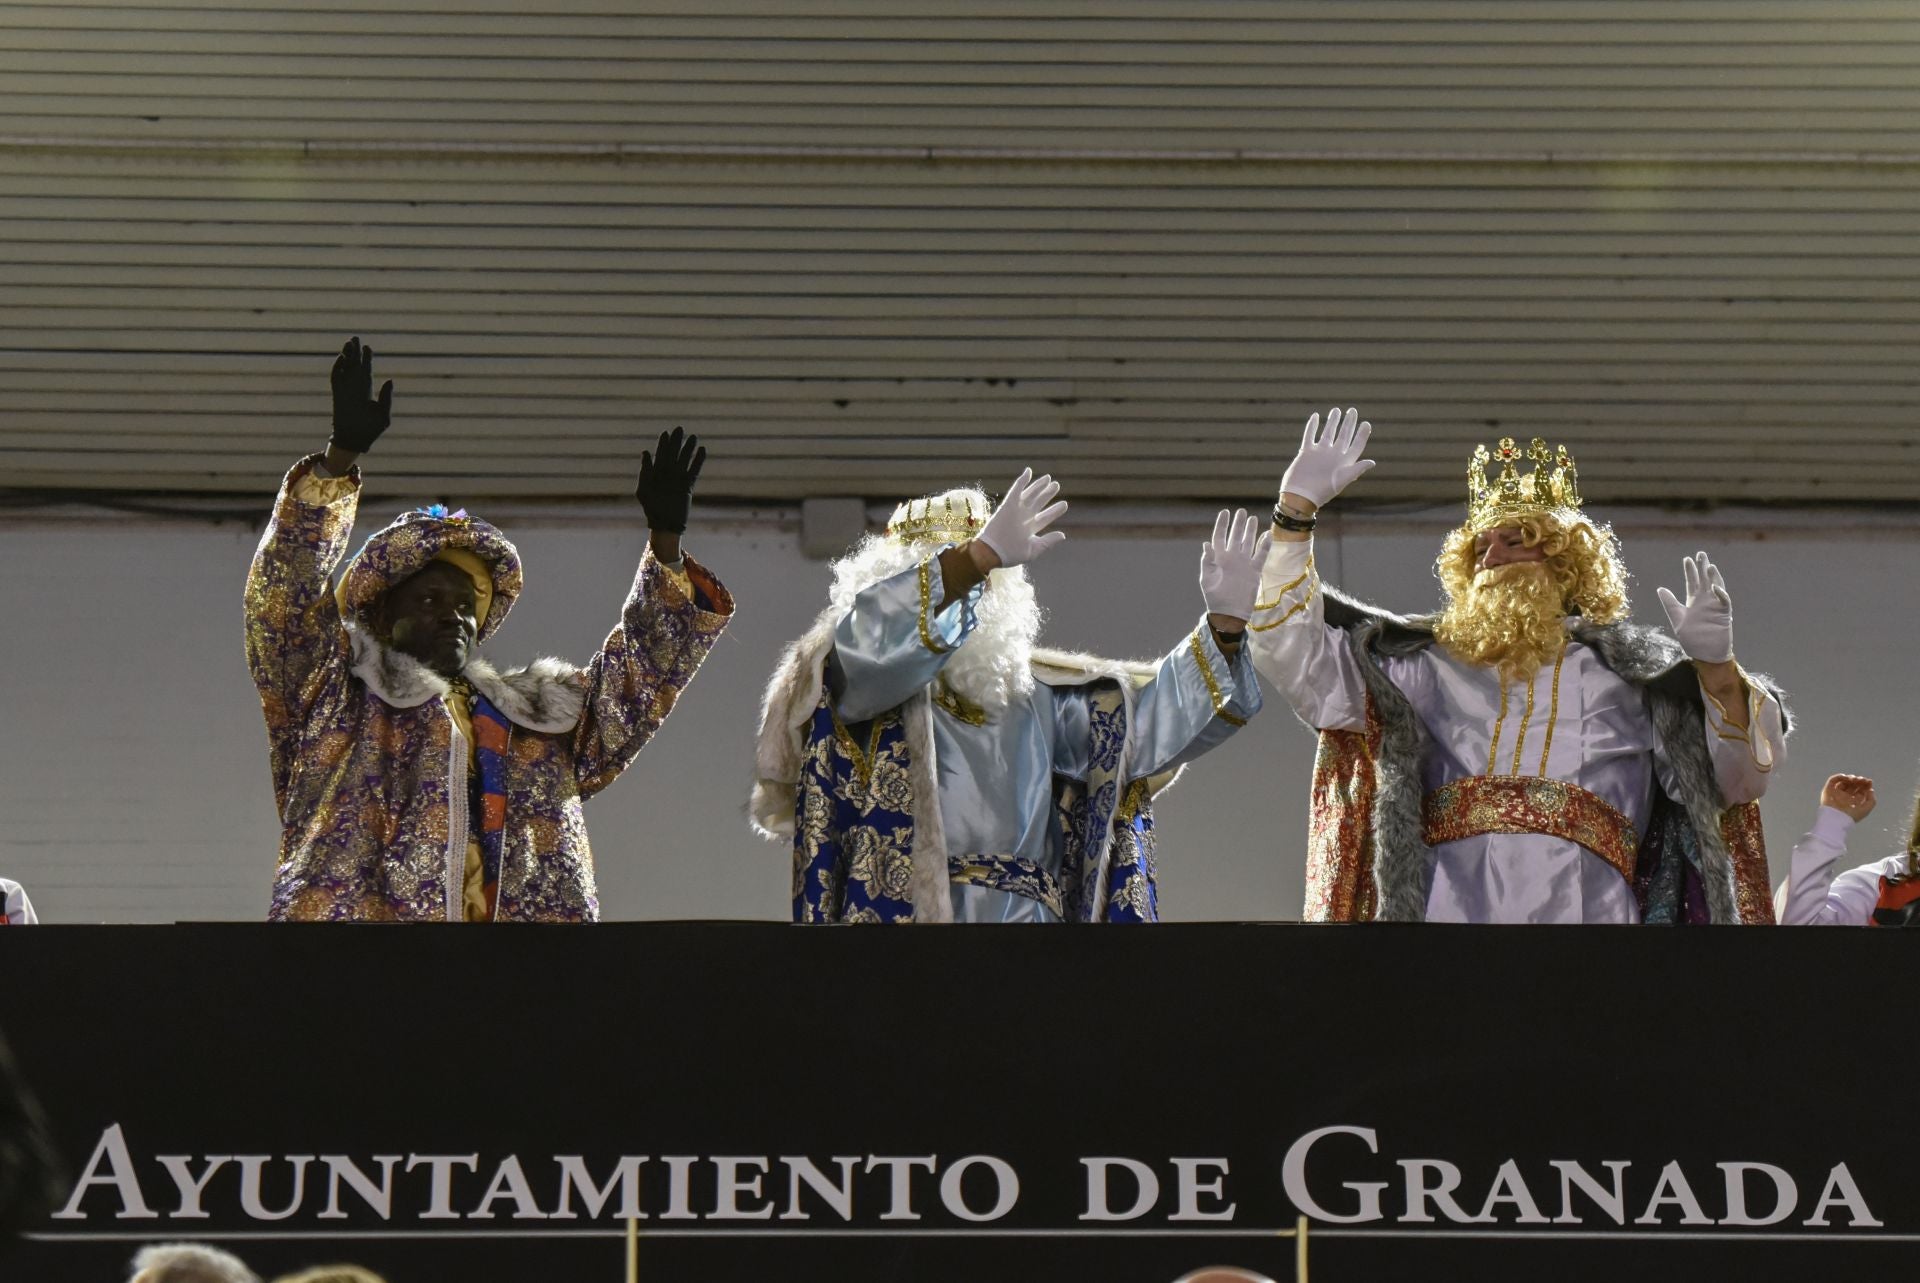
point(667, 475)
point(358, 419)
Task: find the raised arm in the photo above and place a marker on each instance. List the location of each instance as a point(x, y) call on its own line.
point(1204, 689)
point(1308, 662)
point(1814, 896)
point(900, 632)
point(295, 642)
point(1746, 727)
point(673, 614)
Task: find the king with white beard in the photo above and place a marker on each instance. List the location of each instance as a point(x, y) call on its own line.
point(1525, 755)
point(929, 764)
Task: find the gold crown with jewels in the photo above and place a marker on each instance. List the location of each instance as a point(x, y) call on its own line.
point(1554, 484)
point(954, 517)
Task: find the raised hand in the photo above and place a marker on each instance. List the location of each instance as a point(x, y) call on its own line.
point(1703, 624)
point(1851, 795)
point(667, 474)
point(1014, 533)
point(1230, 564)
point(358, 416)
point(1329, 459)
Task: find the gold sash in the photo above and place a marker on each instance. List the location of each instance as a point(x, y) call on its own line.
point(1531, 804)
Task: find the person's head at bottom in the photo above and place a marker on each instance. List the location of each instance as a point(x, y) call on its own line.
point(332, 1274)
point(189, 1263)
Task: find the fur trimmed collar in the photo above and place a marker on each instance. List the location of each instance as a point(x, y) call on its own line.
point(546, 695)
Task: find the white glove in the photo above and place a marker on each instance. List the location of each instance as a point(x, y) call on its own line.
point(1230, 564)
point(1328, 463)
point(1704, 625)
point(1014, 529)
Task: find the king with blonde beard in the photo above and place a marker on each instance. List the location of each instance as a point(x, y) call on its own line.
point(927, 763)
point(1526, 754)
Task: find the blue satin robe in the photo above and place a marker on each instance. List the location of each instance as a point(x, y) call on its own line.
point(996, 780)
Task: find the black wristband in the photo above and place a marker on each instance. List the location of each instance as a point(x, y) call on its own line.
point(1287, 521)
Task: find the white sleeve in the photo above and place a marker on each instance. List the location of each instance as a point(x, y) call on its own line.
point(1292, 646)
point(1815, 898)
point(1743, 760)
point(19, 908)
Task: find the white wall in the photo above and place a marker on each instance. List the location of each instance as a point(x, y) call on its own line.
point(133, 778)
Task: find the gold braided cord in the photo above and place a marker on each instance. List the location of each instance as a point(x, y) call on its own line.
point(926, 609)
point(1553, 712)
point(1281, 596)
point(862, 762)
point(1526, 718)
point(1493, 749)
point(971, 714)
point(1213, 683)
point(1298, 606)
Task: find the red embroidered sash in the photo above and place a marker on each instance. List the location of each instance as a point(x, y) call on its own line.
point(1531, 804)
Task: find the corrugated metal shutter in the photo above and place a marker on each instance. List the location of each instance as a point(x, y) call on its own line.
point(871, 250)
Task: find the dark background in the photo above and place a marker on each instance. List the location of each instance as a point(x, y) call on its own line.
point(1473, 1045)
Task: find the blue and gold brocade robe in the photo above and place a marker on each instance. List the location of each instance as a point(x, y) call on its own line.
point(1044, 807)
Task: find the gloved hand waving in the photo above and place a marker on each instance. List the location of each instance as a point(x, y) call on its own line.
point(358, 417)
point(1703, 624)
point(667, 476)
point(1230, 564)
point(1017, 531)
point(1329, 459)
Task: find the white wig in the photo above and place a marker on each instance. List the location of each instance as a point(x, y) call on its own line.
point(993, 665)
point(189, 1263)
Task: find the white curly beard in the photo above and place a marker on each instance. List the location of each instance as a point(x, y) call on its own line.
point(992, 667)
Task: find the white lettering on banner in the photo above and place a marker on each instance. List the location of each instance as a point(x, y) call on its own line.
point(679, 1194)
point(1005, 1181)
point(573, 1173)
point(902, 1172)
point(1611, 1201)
point(377, 1197)
point(180, 1167)
point(1293, 1174)
point(1336, 1175)
point(440, 1204)
point(1511, 1187)
point(726, 1204)
point(252, 1172)
point(509, 1181)
point(1441, 1192)
point(1191, 1189)
point(1842, 1192)
point(1786, 1195)
point(1099, 1207)
point(838, 1197)
point(1673, 1189)
point(112, 1150)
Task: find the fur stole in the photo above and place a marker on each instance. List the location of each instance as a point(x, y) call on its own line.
point(1643, 657)
point(546, 695)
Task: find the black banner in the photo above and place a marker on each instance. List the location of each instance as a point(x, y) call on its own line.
point(766, 1102)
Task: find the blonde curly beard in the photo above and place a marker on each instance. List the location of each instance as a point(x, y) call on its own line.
point(1512, 618)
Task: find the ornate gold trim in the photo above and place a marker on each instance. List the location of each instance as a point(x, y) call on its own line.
point(926, 612)
point(1499, 726)
point(862, 762)
point(971, 714)
point(1213, 683)
point(1553, 712)
point(1526, 720)
point(1298, 606)
point(1287, 588)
